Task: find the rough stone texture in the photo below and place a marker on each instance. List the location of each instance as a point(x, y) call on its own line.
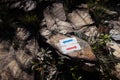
point(25, 5)
point(114, 49)
point(89, 33)
point(116, 72)
point(49, 18)
point(16, 56)
point(82, 21)
point(80, 18)
point(55, 22)
point(115, 31)
point(58, 11)
point(85, 53)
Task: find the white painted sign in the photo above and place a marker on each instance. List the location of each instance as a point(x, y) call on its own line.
point(69, 45)
point(67, 41)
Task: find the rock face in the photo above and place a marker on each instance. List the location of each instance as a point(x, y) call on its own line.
point(85, 52)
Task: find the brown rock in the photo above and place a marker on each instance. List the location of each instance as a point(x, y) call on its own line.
point(85, 53)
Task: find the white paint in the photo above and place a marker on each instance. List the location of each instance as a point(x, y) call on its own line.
point(67, 41)
point(70, 48)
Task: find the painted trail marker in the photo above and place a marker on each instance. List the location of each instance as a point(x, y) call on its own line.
point(67, 41)
point(70, 48)
point(69, 45)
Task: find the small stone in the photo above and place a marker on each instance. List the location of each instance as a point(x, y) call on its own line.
point(116, 37)
point(22, 33)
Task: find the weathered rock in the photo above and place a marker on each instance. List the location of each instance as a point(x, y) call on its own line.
point(58, 11)
point(64, 27)
point(16, 56)
point(22, 34)
point(51, 13)
point(114, 49)
point(89, 33)
point(80, 18)
point(85, 52)
point(57, 24)
point(82, 21)
point(115, 31)
point(116, 72)
point(49, 18)
point(45, 32)
point(25, 5)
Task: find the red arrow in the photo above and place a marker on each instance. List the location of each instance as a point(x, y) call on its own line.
point(71, 48)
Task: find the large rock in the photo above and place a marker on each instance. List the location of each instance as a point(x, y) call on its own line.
point(85, 53)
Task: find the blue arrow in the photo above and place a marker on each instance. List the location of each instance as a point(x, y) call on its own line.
point(68, 41)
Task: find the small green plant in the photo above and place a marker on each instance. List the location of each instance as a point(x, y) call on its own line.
point(101, 42)
point(106, 61)
point(29, 18)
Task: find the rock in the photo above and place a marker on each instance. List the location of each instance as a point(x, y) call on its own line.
point(58, 11)
point(51, 13)
point(55, 24)
point(89, 33)
point(85, 53)
point(30, 5)
point(116, 72)
point(45, 32)
point(22, 34)
point(16, 55)
point(25, 5)
point(49, 18)
point(114, 49)
point(115, 31)
point(116, 37)
point(82, 21)
point(80, 18)
point(64, 27)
